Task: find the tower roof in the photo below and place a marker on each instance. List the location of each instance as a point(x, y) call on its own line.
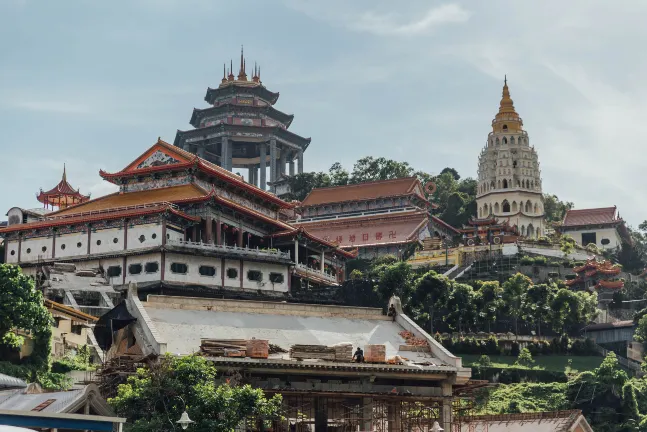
point(62, 195)
point(507, 119)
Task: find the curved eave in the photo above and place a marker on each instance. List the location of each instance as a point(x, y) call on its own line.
point(98, 216)
point(271, 112)
point(261, 91)
point(114, 177)
point(296, 231)
point(280, 132)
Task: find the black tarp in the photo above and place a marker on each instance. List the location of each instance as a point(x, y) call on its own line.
point(111, 322)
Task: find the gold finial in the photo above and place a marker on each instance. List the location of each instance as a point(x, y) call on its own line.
point(230, 77)
point(242, 76)
point(224, 73)
point(507, 119)
point(64, 173)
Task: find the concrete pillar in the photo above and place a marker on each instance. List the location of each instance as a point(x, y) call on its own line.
point(321, 414)
point(323, 259)
point(218, 232)
point(263, 170)
point(291, 164)
point(239, 241)
point(273, 163)
point(201, 151)
point(446, 415)
point(282, 161)
point(300, 160)
point(225, 157)
point(394, 417)
point(255, 168)
point(209, 230)
point(367, 414)
point(296, 251)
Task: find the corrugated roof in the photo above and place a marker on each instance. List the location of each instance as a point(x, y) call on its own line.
point(19, 400)
point(9, 382)
point(363, 191)
point(594, 216)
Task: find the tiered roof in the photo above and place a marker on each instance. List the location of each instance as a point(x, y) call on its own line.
point(62, 195)
point(603, 270)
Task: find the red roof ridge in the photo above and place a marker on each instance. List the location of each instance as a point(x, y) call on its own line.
point(370, 182)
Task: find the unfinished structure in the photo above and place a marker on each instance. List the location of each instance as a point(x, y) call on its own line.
point(410, 382)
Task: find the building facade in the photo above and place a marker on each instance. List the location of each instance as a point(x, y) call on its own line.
point(509, 179)
point(602, 227)
point(242, 129)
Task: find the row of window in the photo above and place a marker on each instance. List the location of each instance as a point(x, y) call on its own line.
point(115, 240)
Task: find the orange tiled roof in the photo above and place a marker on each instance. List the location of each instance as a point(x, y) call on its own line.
point(370, 230)
point(116, 200)
point(594, 216)
point(70, 311)
point(306, 233)
point(363, 191)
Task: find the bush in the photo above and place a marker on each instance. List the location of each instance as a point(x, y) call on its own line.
point(484, 360)
point(526, 260)
point(515, 349)
point(492, 346)
point(525, 358)
point(540, 261)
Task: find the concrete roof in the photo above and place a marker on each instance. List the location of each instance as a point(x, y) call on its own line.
point(18, 400)
point(182, 329)
point(554, 421)
point(7, 381)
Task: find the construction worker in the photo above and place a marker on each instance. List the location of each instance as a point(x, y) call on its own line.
point(359, 355)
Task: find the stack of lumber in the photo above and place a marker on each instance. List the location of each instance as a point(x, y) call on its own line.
point(255, 348)
point(343, 352)
point(413, 340)
point(258, 348)
point(375, 353)
point(321, 352)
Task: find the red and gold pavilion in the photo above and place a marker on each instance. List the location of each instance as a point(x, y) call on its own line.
point(62, 195)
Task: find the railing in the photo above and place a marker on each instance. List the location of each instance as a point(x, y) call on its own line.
point(112, 210)
point(316, 272)
point(231, 249)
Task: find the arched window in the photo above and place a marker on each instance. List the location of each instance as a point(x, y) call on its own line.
point(523, 230)
point(497, 141)
point(480, 212)
point(528, 206)
point(498, 184)
point(485, 210)
point(505, 184)
point(512, 140)
point(531, 231)
point(514, 206)
point(538, 232)
point(496, 208)
point(505, 127)
point(536, 209)
point(532, 184)
point(505, 140)
point(506, 206)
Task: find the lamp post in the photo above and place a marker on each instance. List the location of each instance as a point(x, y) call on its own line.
point(184, 420)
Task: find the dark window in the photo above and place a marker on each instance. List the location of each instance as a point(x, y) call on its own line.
point(276, 277)
point(605, 242)
point(151, 267)
point(114, 271)
point(505, 127)
point(13, 252)
point(254, 275)
point(179, 268)
point(28, 250)
point(135, 269)
point(154, 236)
point(142, 239)
point(79, 244)
point(588, 238)
point(76, 329)
point(63, 246)
point(232, 273)
point(98, 242)
point(44, 248)
point(506, 207)
point(115, 240)
point(168, 236)
point(207, 271)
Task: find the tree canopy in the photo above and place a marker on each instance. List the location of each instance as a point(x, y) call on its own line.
point(154, 399)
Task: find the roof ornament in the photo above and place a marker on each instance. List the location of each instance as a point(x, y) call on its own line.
point(230, 77)
point(224, 73)
point(64, 173)
point(242, 76)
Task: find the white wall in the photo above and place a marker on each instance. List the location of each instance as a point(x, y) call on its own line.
point(148, 231)
point(602, 233)
point(193, 269)
point(70, 241)
point(143, 276)
point(109, 262)
point(235, 282)
point(35, 245)
point(171, 234)
point(107, 237)
point(265, 269)
point(12, 246)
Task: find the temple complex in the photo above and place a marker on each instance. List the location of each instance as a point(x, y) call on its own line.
point(600, 276)
point(509, 182)
point(377, 218)
point(178, 222)
point(602, 227)
point(242, 129)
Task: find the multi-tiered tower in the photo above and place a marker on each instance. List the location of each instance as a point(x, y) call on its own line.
point(242, 129)
point(509, 179)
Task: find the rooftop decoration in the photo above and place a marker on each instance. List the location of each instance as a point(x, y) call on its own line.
point(62, 195)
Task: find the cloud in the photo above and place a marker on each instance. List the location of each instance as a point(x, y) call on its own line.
point(386, 24)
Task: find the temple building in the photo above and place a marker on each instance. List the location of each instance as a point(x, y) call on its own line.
point(377, 218)
point(242, 129)
point(178, 222)
point(62, 195)
point(602, 227)
point(600, 276)
point(509, 181)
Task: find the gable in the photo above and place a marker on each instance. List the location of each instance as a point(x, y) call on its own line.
point(157, 155)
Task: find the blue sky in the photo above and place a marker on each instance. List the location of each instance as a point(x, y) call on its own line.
point(93, 84)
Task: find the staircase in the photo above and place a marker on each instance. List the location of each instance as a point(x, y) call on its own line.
point(456, 271)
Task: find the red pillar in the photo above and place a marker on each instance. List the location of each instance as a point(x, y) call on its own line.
point(209, 230)
point(218, 233)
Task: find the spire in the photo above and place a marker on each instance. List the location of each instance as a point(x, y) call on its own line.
point(230, 77)
point(242, 76)
point(255, 77)
point(224, 73)
point(64, 173)
point(507, 119)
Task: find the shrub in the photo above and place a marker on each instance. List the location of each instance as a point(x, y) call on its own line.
point(515, 349)
point(540, 261)
point(484, 360)
point(525, 358)
point(526, 260)
point(492, 346)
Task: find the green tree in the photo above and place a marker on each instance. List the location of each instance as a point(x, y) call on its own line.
point(641, 330)
point(338, 175)
point(554, 209)
point(302, 184)
point(525, 358)
point(21, 307)
point(428, 297)
point(536, 304)
point(394, 279)
point(514, 289)
point(452, 171)
point(371, 169)
point(566, 245)
point(461, 306)
point(489, 301)
point(155, 397)
point(570, 310)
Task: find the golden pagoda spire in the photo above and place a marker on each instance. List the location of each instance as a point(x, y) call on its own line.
point(507, 119)
point(224, 73)
point(230, 77)
point(242, 76)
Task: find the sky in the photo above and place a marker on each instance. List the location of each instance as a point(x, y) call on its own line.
point(94, 84)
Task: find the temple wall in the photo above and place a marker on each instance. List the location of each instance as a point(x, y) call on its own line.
point(192, 274)
point(232, 282)
point(32, 249)
point(141, 236)
point(12, 246)
point(71, 242)
point(143, 276)
point(265, 269)
point(107, 241)
point(601, 233)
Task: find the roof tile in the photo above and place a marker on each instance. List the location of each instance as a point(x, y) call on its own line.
point(594, 216)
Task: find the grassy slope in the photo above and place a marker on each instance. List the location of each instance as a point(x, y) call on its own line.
point(555, 363)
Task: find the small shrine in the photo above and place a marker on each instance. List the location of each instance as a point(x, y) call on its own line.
point(488, 231)
point(62, 195)
point(600, 276)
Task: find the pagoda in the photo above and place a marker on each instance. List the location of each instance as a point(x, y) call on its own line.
point(600, 276)
point(242, 129)
point(62, 195)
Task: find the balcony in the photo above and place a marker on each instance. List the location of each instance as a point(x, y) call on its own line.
point(254, 254)
point(317, 273)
